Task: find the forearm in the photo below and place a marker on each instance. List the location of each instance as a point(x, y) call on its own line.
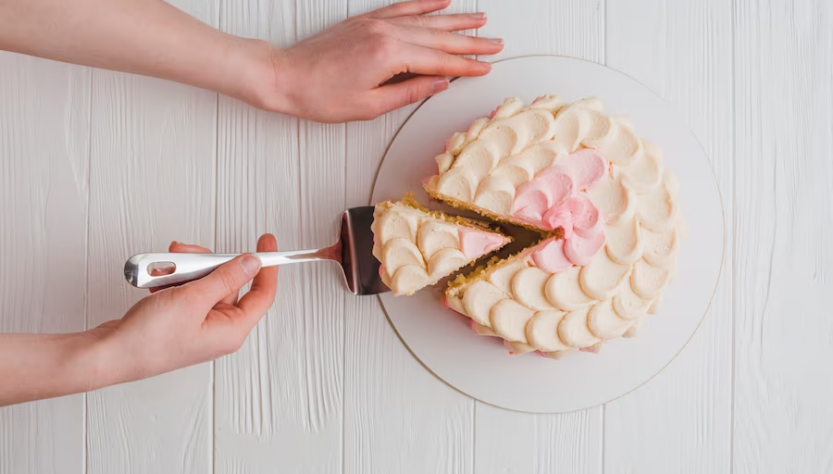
point(148, 37)
point(38, 366)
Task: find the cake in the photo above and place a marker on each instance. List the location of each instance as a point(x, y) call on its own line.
point(600, 191)
point(418, 247)
point(599, 196)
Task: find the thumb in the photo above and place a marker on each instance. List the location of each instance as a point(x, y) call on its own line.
point(226, 280)
point(394, 96)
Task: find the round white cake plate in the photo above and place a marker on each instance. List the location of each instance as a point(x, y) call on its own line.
point(480, 366)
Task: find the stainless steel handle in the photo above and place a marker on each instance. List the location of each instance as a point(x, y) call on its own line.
point(185, 267)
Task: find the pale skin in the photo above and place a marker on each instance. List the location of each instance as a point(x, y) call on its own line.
point(344, 73)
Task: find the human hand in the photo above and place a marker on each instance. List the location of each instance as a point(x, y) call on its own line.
point(341, 73)
point(185, 325)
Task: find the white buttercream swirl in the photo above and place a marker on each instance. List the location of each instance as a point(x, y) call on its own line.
point(604, 297)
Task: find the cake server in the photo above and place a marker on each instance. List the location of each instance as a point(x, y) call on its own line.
point(353, 252)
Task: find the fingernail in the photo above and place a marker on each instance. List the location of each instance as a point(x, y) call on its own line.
point(478, 15)
point(440, 85)
point(251, 265)
point(174, 242)
point(496, 40)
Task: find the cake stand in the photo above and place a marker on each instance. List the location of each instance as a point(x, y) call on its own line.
point(480, 366)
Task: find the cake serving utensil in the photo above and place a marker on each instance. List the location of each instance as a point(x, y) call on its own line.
point(353, 252)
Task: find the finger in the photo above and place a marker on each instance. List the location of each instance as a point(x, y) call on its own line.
point(394, 96)
point(229, 300)
point(223, 282)
point(449, 42)
point(260, 297)
point(427, 61)
point(177, 247)
point(456, 22)
point(400, 78)
point(413, 7)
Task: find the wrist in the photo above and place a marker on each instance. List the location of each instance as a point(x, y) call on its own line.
point(267, 80)
point(88, 364)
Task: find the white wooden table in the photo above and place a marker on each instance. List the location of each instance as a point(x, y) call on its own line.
point(96, 165)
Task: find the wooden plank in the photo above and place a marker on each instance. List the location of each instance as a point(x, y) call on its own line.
point(322, 164)
point(44, 163)
point(152, 181)
point(783, 334)
point(520, 442)
point(391, 400)
point(565, 28)
point(398, 417)
point(681, 420)
point(279, 399)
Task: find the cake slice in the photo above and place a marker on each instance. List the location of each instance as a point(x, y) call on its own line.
point(418, 247)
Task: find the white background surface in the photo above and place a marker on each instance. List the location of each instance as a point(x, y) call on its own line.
point(95, 165)
point(480, 367)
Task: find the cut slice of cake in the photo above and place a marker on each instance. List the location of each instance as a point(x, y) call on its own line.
point(418, 247)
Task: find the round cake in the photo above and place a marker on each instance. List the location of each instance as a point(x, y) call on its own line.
point(608, 209)
point(605, 208)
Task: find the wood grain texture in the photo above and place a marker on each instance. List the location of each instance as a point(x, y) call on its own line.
point(278, 400)
point(682, 51)
point(44, 163)
point(572, 28)
point(398, 417)
point(784, 219)
point(152, 181)
point(509, 442)
point(322, 180)
point(97, 165)
point(518, 443)
point(258, 192)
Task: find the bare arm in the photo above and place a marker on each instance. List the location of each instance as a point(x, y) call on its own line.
point(168, 330)
point(36, 366)
point(337, 75)
point(148, 37)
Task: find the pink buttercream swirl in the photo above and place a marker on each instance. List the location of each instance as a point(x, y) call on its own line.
point(475, 243)
point(555, 198)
